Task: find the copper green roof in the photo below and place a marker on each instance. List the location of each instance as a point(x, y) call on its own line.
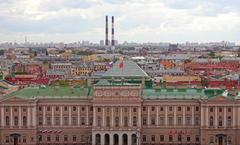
point(130, 69)
point(50, 92)
point(188, 93)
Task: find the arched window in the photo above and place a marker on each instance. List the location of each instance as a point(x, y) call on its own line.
point(15, 121)
point(7, 122)
point(220, 121)
point(125, 121)
point(108, 121)
point(211, 139)
point(116, 121)
point(211, 121)
point(229, 121)
point(153, 121)
point(134, 121)
point(99, 121)
point(179, 138)
point(24, 121)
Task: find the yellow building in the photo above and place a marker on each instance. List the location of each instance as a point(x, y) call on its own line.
point(82, 69)
point(172, 79)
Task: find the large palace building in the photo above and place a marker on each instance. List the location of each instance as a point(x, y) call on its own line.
point(120, 108)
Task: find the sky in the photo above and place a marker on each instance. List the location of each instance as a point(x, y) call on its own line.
point(135, 20)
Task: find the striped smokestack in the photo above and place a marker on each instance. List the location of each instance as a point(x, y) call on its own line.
point(113, 31)
point(106, 32)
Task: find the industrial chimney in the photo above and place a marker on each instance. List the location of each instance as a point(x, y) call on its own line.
point(113, 31)
point(106, 32)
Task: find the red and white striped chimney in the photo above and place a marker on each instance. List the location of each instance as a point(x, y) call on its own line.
point(113, 31)
point(106, 32)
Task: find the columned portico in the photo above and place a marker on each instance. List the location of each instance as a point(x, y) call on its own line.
point(114, 138)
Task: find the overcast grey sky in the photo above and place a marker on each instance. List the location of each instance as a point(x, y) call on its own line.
point(136, 20)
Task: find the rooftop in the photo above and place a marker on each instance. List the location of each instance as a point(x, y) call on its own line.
point(189, 93)
point(130, 69)
point(50, 92)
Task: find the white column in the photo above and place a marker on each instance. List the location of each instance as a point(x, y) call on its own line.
point(139, 116)
point(175, 115)
point(112, 119)
point(44, 115)
point(61, 115)
point(103, 116)
point(216, 118)
point(202, 116)
point(78, 115)
point(207, 118)
point(20, 117)
point(110, 139)
point(130, 116)
point(70, 115)
point(121, 116)
point(2, 116)
point(225, 116)
point(94, 116)
point(193, 119)
point(129, 139)
point(93, 139)
point(157, 116)
point(102, 139)
point(120, 139)
point(34, 116)
point(11, 116)
point(184, 115)
point(166, 116)
point(148, 115)
point(87, 119)
point(234, 116)
point(28, 116)
point(52, 115)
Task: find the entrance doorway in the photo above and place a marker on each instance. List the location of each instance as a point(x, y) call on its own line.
point(15, 137)
point(220, 140)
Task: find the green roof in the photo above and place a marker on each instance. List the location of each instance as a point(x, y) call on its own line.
point(188, 93)
point(50, 92)
point(130, 69)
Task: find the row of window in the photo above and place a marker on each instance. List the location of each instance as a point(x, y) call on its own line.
point(220, 121)
point(125, 109)
point(16, 121)
point(65, 138)
point(22, 139)
point(170, 121)
point(66, 120)
point(15, 109)
point(220, 109)
point(170, 108)
point(117, 121)
point(169, 138)
point(66, 108)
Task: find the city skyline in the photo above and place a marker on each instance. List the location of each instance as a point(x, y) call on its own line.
point(136, 20)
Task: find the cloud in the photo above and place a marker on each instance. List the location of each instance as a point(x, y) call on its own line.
point(136, 20)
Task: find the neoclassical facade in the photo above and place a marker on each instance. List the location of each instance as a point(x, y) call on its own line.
point(120, 115)
point(116, 112)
